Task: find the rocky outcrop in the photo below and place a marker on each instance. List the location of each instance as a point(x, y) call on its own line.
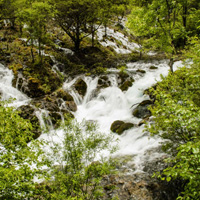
point(120, 126)
point(28, 112)
point(36, 79)
point(142, 111)
point(139, 186)
point(59, 103)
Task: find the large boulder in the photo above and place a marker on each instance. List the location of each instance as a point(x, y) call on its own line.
point(80, 86)
point(120, 126)
point(142, 111)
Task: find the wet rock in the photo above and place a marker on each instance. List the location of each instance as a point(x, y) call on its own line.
point(103, 82)
point(126, 85)
point(141, 71)
point(143, 121)
point(47, 103)
point(71, 105)
point(28, 112)
point(116, 125)
point(125, 80)
point(153, 67)
point(120, 126)
point(125, 127)
point(141, 111)
point(60, 93)
point(55, 101)
point(80, 86)
point(55, 119)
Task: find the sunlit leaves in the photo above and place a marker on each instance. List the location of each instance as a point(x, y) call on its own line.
point(18, 158)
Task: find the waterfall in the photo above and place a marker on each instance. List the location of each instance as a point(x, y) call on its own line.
point(104, 106)
point(112, 104)
point(7, 91)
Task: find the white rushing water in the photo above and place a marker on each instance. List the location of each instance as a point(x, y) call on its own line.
point(105, 106)
point(108, 105)
point(118, 41)
point(7, 91)
point(112, 104)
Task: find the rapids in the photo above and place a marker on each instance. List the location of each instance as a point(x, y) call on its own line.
point(104, 106)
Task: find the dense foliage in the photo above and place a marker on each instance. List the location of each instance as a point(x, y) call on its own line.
point(20, 162)
point(165, 24)
point(172, 26)
point(176, 118)
point(72, 172)
point(78, 175)
point(78, 19)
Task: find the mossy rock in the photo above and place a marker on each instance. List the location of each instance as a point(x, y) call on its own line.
point(81, 87)
point(28, 112)
point(103, 82)
point(123, 76)
point(120, 126)
point(38, 78)
point(127, 84)
point(153, 67)
point(141, 71)
point(142, 111)
point(124, 127)
point(60, 93)
point(116, 125)
point(55, 119)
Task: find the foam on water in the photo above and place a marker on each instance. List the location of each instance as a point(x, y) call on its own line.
point(8, 91)
point(112, 104)
point(103, 106)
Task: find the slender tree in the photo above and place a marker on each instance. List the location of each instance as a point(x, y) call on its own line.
point(164, 23)
point(35, 16)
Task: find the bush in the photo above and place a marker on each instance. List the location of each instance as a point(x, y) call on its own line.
point(79, 176)
point(18, 156)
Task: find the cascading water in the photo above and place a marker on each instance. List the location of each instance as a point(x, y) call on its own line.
point(104, 106)
point(112, 104)
point(7, 91)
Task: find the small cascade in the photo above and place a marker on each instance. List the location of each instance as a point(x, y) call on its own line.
point(68, 86)
point(44, 119)
point(117, 40)
point(7, 91)
point(91, 86)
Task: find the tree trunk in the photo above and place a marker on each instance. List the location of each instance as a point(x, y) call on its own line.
point(184, 17)
point(105, 25)
point(77, 44)
point(39, 48)
point(171, 63)
point(92, 35)
point(32, 54)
